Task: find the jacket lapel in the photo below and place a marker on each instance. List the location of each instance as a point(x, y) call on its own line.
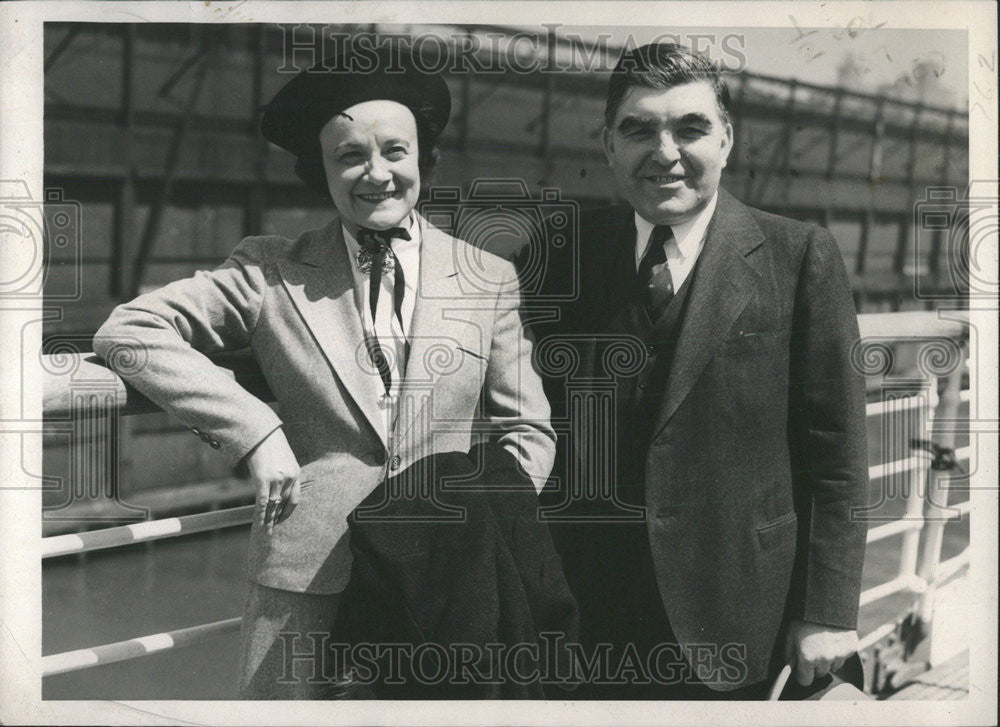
point(723, 281)
point(319, 281)
point(433, 334)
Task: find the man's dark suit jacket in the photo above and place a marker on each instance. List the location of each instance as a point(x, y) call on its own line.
point(450, 552)
point(757, 454)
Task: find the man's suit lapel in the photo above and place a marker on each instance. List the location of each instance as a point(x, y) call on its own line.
point(724, 278)
point(433, 335)
point(320, 283)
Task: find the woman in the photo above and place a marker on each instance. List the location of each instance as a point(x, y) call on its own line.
point(378, 345)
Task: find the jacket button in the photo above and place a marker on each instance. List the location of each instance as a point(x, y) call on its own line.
point(642, 387)
point(214, 444)
point(196, 431)
point(651, 348)
point(396, 460)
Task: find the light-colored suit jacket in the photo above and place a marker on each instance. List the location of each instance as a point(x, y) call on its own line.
point(292, 302)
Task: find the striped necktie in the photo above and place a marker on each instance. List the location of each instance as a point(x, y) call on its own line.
point(656, 285)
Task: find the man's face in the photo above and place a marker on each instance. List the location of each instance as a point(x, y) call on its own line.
point(667, 150)
point(370, 155)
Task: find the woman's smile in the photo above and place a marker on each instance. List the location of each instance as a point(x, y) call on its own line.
point(376, 197)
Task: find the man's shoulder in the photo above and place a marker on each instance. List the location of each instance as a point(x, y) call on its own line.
point(785, 237)
point(778, 225)
point(773, 226)
point(596, 223)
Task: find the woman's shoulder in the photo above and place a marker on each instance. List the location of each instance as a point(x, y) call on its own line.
point(262, 249)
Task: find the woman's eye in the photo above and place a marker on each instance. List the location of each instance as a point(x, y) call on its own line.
point(396, 153)
point(351, 158)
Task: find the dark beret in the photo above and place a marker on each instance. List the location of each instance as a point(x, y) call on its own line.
point(297, 113)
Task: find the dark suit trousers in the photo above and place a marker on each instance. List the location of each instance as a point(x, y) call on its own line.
point(622, 607)
point(618, 595)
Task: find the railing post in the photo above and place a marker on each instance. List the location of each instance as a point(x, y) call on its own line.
point(917, 477)
point(938, 482)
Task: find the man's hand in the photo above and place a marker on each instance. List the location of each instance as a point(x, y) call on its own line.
point(275, 474)
point(816, 650)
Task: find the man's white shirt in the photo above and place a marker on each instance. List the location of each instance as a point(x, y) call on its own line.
point(683, 247)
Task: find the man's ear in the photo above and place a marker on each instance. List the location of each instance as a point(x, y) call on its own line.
point(727, 144)
point(609, 146)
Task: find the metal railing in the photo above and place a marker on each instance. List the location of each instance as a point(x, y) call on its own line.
point(937, 396)
point(922, 525)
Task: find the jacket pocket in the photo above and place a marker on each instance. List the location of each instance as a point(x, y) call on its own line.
point(773, 532)
point(746, 342)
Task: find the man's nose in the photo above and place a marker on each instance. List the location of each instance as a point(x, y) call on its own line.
point(666, 151)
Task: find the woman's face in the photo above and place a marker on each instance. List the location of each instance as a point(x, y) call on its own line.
point(370, 156)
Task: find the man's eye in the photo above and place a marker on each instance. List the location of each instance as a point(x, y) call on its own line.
point(692, 132)
point(396, 153)
point(637, 134)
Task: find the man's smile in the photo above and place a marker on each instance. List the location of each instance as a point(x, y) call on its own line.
point(664, 178)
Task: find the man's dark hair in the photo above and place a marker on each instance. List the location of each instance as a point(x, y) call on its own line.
point(309, 166)
point(663, 66)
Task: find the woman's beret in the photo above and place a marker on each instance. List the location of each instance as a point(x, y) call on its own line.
point(298, 112)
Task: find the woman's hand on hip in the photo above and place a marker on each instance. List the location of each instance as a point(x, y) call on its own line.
point(274, 472)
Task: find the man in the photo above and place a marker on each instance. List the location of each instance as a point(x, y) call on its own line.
point(739, 434)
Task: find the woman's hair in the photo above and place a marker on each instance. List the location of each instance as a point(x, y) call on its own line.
point(309, 166)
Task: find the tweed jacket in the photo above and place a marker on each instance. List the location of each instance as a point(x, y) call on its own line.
point(292, 303)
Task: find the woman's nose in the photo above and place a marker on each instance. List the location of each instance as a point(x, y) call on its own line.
point(378, 171)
